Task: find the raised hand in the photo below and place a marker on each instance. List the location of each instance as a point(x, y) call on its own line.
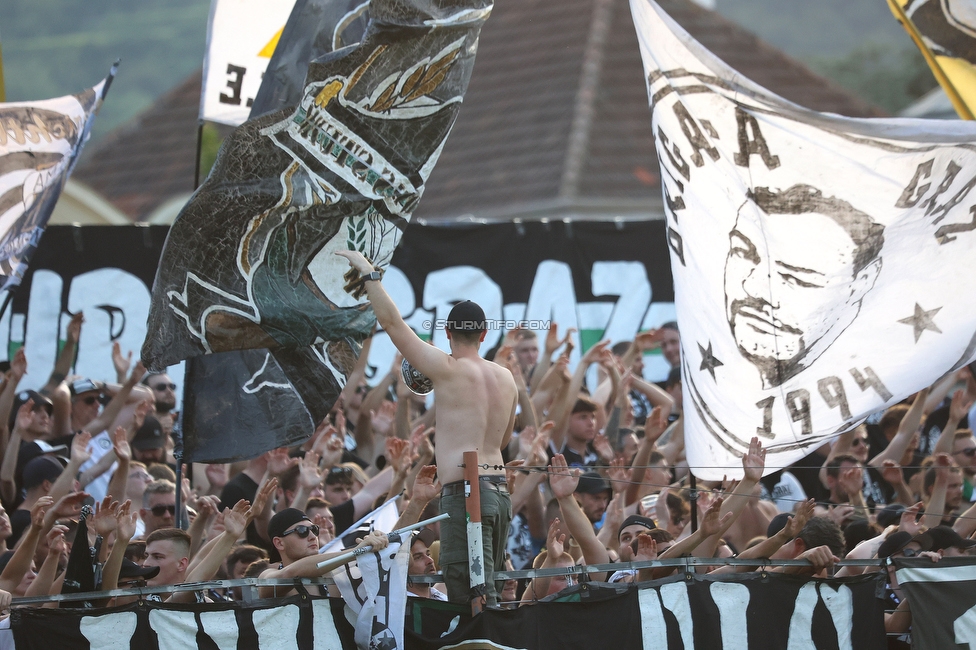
point(74, 327)
point(79, 447)
point(121, 363)
point(619, 474)
point(594, 353)
point(383, 418)
point(655, 425)
point(753, 461)
point(279, 461)
point(262, 500)
point(237, 518)
point(138, 372)
point(125, 523)
point(796, 523)
point(104, 520)
point(646, 548)
point(396, 455)
point(120, 443)
point(711, 524)
point(891, 472)
point(851, 481)
point(555, 542)
point(649, 340)
point(309, 474)
point(39, 512)
point(19, 364)
point(143, 408)
point(909, 519)
point(603, 448)
point(23, 421)
point(840, 514)
point(55, 540)
point(425, 488)
point(962, 401)
point(562, 480)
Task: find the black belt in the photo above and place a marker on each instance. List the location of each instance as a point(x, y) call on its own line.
point(498, 483)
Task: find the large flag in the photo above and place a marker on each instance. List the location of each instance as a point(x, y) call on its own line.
point(819, 261)
point(945, 32)
point(241, 37)
point(250, 263)
point(39, 145)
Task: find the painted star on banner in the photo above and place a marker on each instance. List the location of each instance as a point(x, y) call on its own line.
point(922, 320)
point(709, 362)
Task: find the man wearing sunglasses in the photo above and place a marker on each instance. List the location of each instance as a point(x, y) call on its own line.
point(296, 540)
point(164, 397)
point(476, 402)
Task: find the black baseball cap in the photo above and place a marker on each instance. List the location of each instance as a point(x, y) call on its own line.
point(899, 540)
point(593, 483)
point(42, 468)
point(132, 570)
point(150, 435)
point(285, 520)
point(466, 316)
point(946, 537)
point(637, 520)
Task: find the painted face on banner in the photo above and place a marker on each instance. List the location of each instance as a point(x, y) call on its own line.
point(819, 261)
point(786, 308)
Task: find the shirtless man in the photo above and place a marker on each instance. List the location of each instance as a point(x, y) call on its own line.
point(476, 402)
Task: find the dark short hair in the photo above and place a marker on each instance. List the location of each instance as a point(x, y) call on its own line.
point(316, 502)
point(620, 349)
point(865, 232)
point(932, 472)
point(822, 531)
point(833, 467)
point(584, 404)
point(674, 378)
point(246, 553)
point(892, 417)
point(670, 325)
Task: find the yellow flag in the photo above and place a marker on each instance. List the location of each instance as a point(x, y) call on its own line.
point(945, 32)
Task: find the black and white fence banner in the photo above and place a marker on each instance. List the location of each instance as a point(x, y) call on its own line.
point(797, 240)
point(734, 613)
point(942, 597)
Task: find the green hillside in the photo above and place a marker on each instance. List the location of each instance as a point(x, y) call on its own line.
point(58, 47)
point(856, 43)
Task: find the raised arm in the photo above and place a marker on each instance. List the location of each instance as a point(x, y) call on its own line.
point(962, 401)
point(127, 396)
point(654, 426)
point(20, 562)
point(62, 367)
point(18, 368)
point(935, 508)
point(236, 520)
point(906, 431)
point(426, 358)
point(552, 343)
point(562, 410)
point(563, 482)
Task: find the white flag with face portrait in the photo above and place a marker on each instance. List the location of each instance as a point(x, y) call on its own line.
point(824, 267)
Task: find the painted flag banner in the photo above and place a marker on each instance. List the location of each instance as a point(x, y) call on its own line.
point(39, 145)
point(945, 32)
point(375, 591)
point(942, 596)
point(241, 37)
point(250, 261)
point(736, 612)
point(819, 261)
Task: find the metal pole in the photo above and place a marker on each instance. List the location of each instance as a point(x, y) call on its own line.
point(476, 551)
point(693, 496)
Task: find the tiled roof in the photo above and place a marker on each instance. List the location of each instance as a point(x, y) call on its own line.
point(142, 164)
point(555, 121)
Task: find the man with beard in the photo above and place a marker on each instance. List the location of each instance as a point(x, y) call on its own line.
point(786, 309)
point(422, 564)
point(164, 397)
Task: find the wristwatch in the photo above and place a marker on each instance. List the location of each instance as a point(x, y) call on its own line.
point(373, 275)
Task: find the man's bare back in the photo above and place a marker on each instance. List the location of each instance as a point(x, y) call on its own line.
point(476, 399)
point(475, 409)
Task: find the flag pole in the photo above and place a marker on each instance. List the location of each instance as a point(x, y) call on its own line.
point(3, 87)
point(476, 551)
point(957, 101)
point(394, 537)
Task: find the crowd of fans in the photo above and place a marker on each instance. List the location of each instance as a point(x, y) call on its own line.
point(597, 474)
